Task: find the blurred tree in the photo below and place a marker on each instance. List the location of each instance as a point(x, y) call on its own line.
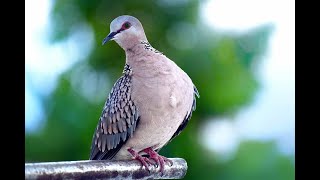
point(220, 64)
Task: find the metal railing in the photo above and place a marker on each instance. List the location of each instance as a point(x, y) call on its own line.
point(100, 169)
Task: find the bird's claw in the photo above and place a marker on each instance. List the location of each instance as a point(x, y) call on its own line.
point(160, 160)
point(167, 160)
point(146, 162)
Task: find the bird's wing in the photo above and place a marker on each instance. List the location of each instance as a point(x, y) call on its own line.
point(188, 115)
point(118, 120)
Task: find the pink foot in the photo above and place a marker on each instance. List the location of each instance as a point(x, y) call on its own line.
point(160, 160)
point(143, 160)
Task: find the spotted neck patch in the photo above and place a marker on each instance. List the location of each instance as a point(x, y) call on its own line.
point(147, 46)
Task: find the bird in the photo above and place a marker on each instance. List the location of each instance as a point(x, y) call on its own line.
point(148, 106)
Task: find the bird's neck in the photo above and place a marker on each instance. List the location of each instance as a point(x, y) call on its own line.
point(134, 49)
point(141, 48)
point(141, 55)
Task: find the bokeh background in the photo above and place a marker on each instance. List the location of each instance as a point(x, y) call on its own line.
point(239, 54)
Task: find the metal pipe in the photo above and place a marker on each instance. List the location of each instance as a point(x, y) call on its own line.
point(102, 169)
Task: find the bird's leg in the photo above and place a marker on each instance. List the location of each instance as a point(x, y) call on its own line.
point(160, 160)
point(143, 160)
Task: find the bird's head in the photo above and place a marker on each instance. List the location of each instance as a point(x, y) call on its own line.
point(127, 31)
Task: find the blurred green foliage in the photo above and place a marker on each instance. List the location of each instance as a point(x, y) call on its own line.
point(220, 64)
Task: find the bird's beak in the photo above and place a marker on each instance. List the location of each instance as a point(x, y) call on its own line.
point(109, 37)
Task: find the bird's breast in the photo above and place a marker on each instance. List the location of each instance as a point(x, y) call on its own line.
point(162, 101)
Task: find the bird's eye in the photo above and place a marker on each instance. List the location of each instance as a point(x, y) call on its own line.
point(126, 25)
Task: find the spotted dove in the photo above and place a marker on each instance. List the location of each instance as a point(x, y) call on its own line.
point(148, 106)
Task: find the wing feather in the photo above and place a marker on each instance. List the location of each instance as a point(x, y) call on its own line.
point(118, 120)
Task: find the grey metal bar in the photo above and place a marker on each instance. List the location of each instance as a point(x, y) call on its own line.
point(103, 170)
